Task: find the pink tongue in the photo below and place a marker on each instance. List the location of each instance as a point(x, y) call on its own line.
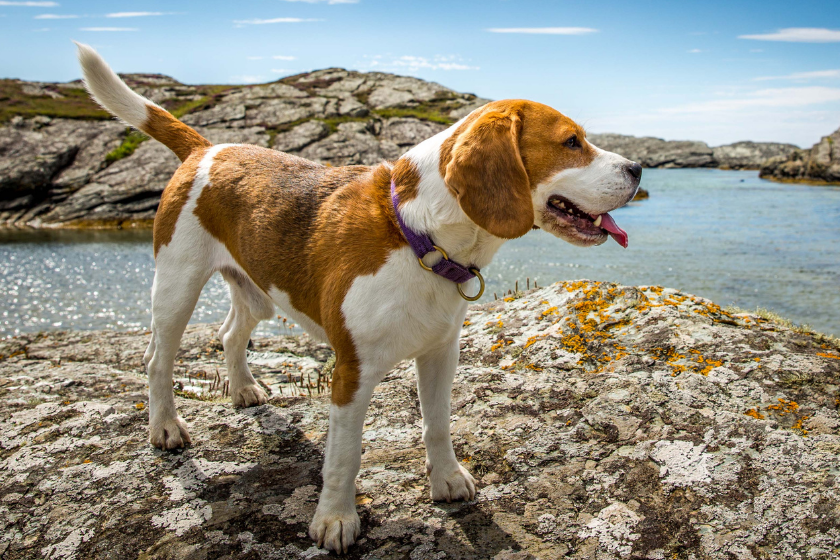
point(615, 232)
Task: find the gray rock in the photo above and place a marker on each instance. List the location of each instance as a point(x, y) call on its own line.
point(352, 144)
point(600, 421)
point(408, 132)
point(820, 164)
point(655, 152)
point(383, 97)
point(750, 155)
point(300, 136)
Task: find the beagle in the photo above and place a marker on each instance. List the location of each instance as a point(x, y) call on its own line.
point(378, 261)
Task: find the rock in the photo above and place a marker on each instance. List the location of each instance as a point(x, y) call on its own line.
point(820, 164)
point(602, 421)
point(352, 144)
point(749, 155)
point(55, 172)
point(655, 152)
point(383, 97)
point(300, 136)
point(408, 132)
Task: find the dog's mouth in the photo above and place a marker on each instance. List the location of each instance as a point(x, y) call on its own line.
point(586, 226)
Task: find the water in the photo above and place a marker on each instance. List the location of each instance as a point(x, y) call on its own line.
point(724, 235)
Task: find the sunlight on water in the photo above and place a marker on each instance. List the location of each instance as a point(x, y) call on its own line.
point(724, 235)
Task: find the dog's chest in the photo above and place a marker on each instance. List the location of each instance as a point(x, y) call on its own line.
point(401, 311)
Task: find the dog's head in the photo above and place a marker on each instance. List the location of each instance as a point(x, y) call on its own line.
point(517, 164)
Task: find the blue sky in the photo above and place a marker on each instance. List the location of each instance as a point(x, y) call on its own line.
point(714, 71)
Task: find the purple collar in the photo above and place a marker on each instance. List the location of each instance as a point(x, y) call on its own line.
point(422, 246)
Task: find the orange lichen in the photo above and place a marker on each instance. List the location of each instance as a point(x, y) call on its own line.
point(755, 414)
point(826, 355)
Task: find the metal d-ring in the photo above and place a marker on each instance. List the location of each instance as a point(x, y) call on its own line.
point(480, 289)
point(439, 250)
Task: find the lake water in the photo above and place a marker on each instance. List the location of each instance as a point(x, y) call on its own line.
point(724, 235)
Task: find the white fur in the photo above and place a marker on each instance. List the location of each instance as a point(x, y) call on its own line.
point(601, 186)
point(281, 300)
point(109, 90)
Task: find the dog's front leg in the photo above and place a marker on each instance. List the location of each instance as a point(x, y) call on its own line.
point(336, 524)
point(435, 372)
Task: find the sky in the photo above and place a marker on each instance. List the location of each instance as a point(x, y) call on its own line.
point(717, 71)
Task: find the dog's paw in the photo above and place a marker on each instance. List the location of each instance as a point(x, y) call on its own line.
point(335, 531)
point(452, 485)
point(249, 395)
point(171, 433)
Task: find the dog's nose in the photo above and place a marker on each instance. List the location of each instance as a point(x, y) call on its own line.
point(635, 170)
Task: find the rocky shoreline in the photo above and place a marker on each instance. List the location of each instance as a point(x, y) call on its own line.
point(65, 163)
point(818, 165)
point(601, 421)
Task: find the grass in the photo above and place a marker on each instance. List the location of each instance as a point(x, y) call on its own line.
point(75, 103)
point(132, 139)
point(422, 113)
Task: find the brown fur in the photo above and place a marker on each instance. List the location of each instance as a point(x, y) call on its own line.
point(406, 180)
point(173, 199)
point(305, 229)
point(172, 133)
point(500, 153)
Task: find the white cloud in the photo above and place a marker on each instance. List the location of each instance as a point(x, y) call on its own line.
point(802, 75)
point(411, 64)
point(55, 16)
point(108, 29)
point(283, 57)
point(545, 30)
point(775, 97)
point(799, 35)
point(133, 14)
point(247, 79)
point(30, 4)
point(241, 22)
point(325, 1)
point(694, 51)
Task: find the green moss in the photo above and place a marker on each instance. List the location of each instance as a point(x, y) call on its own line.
point(132, 139)
point(75, 103)
point(420, 112)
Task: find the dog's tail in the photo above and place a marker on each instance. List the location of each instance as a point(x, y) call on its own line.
point(116, 97)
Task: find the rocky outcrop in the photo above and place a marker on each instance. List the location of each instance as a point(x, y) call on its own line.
point(62, 172)
point(600, 421)
point(820, 164)
point(656, 152)
point(65, 168)
point(749, 155)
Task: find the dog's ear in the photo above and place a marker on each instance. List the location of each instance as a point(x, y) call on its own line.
point(488, 177)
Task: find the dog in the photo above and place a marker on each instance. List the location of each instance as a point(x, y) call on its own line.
point(378, 261)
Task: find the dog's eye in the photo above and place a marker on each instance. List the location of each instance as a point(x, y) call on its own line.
point(572, 142)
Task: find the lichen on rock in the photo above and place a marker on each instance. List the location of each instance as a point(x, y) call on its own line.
point(600, 421)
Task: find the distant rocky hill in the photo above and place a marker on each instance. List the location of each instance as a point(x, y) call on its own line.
point(820, 164)
point(66, 163)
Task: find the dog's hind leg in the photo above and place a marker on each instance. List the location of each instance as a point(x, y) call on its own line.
point(179, 278)
point(249, 306)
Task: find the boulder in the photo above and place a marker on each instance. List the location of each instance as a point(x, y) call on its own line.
point(820, 164)
point(600, 421)
point(656, 152)
point(750, 155)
